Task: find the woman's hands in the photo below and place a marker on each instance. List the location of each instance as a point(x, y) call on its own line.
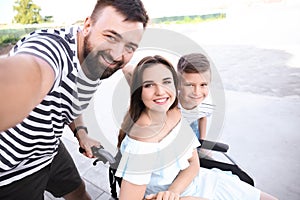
point(163, 195)
point(168, 195)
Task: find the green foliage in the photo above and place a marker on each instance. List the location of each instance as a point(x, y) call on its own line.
point(48, 19)
point(188, 19)
point(8, 39)
point(27, 12)
point(11, 36)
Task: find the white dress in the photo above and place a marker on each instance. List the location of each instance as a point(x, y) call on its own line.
point(157, 165)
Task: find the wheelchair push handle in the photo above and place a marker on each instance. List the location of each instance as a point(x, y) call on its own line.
point(216, 146)
point(101, 155)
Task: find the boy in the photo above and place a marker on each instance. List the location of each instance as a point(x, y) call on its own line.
point(194, 78)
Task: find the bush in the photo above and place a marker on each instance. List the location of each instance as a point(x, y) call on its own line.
point(11, 36)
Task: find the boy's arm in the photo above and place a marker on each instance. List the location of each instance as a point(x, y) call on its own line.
point(24, 81)
point(128, 71)
point(202, 123)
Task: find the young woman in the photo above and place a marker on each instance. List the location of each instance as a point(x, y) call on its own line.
point(159, 157)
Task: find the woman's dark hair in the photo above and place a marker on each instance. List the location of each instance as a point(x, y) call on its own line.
point(137, 106)
point(133, 10)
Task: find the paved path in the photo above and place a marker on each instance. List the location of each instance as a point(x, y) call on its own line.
point(263, 135)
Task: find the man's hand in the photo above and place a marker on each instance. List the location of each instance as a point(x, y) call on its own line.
point(86, 143)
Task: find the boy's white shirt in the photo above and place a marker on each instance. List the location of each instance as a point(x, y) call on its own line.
point(204, 109)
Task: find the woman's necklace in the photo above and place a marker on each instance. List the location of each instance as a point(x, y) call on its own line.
point(151, 131)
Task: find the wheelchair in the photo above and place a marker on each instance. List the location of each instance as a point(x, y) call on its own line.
point(206, 160)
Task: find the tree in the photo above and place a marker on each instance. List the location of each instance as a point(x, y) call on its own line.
point(27, 12)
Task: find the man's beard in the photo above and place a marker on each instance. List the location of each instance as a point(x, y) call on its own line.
point(96, 69)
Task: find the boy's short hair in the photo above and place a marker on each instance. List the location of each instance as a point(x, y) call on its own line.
point(193, 63)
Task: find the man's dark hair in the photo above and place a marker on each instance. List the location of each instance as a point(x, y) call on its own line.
point(133, 10)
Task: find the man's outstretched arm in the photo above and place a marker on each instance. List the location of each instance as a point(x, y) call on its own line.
point(24, 81)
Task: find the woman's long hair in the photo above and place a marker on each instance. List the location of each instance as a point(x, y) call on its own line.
point(137, 106)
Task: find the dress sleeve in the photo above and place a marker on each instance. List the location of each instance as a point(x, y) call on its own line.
point(186, 134)
point(136, 163)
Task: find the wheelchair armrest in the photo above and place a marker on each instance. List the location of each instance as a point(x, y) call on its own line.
point(216, 146)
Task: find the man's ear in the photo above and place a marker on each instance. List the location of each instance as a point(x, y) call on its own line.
point(87, 26)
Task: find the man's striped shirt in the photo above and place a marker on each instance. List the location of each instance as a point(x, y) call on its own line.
point(32, 144)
